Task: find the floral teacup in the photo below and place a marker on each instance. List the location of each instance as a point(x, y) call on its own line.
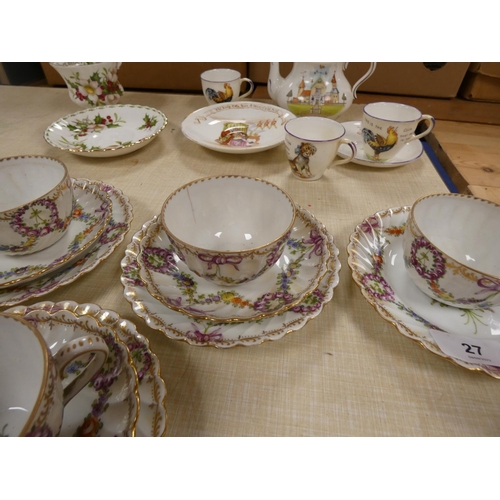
point(91, 84)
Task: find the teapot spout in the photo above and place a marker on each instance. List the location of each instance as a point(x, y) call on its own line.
point(275, 80)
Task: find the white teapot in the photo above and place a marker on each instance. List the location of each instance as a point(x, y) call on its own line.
point(317, 89)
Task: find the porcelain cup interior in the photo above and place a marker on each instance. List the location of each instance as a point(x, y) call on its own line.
point(388, 126)
point(32, 396)
point(224, 85)
point(36, 203)
point(228, 229)
point(311, 145)
point(91, 84)
point(451, 244)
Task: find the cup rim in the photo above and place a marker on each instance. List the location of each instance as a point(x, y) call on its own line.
point(451, 195)
point(43, 382)
point(399, 104)
point(232, 252)
point(326, 120)
point(61, 182)
point(220, 79)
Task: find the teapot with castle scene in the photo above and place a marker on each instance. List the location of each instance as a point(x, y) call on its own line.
point(317, 89)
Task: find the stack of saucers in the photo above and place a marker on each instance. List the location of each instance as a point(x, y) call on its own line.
point(230, 260)
point(86, 220)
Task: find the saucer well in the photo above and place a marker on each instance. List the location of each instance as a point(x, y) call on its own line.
point(294, 276)
point(375, 256)
point(111, 237)
point(411, 151)
point(152, 421)
point(237, 127)
point(106, 131)
point(197, 332)
point(109, 404)
point(91, 213)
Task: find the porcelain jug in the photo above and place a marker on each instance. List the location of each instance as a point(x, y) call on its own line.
point(314, 89)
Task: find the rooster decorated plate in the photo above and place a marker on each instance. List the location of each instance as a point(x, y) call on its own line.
point(237, 127)
point(106, 131)
point(411, 152)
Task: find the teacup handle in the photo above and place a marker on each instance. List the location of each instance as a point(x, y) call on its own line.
point(246, 94)
point(69, 352)
point(432, 123)
point(354, 150)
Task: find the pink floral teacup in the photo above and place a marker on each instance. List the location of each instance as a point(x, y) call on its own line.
point(91, 84)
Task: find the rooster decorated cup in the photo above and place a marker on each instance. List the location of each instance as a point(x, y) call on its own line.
point(388, 126)
point(223, 85)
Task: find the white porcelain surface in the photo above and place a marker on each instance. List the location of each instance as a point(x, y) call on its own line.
point(228, 229)
point(451, 246)
point(297, 273)
point(237, 128)
point(106, 131)
point(223, 85)
point(109, 404)
point(196, 332)
point(91, 213)
point(112, 236)
point(410, 152)
point(152, 420)
point(375, 256)
point(36, 200)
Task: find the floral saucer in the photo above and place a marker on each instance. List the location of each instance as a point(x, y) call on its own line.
point(237, 127)
point(109, 404)
point(112, 236)
point(411, 152)
point(294, 276)
point(91, 213)
point(198, 332)
point(375, 256)
point(105, 131)
point(152, 419)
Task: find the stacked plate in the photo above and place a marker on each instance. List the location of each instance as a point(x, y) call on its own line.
point(169, 297)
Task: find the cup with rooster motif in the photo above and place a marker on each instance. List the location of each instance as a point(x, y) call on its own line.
point(312, 143)
point(388, 126)
point(223, 85)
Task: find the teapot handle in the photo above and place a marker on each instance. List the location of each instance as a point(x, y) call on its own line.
point(367, 75)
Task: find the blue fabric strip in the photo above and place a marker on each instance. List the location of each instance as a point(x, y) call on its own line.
point(440, 170)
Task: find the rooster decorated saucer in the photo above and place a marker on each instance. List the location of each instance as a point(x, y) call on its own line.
point(410, 152)
point(106, 131)
point(296, 274)
point(237, 127)
point(375, 256)
point(196, 332)
point(91, 213)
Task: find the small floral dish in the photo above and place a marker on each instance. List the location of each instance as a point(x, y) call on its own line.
point(92, 210)
point(106, 131)
point(237, 127)
point(411, 152)
point(152, 421)
point(111, 237)
point(109, 404)
point(375, 256)
point(295, 275)
point(196, 332)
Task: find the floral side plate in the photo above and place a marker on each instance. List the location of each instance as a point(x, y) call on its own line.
point(91, 213)
point(375, 256)
point(152, 421)
point(411, 152)
point(198, 332)
point(237, 127)
point(109, 404)
point(112, 236)
point(295, 275)
point(107, 130)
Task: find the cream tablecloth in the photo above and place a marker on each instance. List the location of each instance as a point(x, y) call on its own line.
point(346, 373)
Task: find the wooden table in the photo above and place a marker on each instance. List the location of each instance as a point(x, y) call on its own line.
point(346, 373)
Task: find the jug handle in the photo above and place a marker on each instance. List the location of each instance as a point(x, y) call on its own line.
point(367, 75)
